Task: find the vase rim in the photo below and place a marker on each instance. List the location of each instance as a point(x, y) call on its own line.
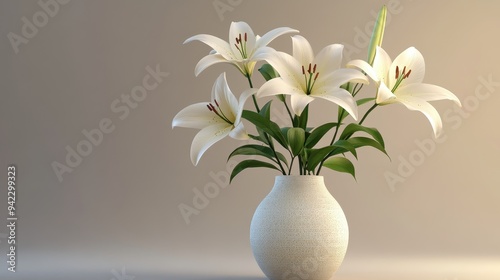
point(299, 176)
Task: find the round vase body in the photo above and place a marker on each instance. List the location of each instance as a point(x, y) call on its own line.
point(299, 231)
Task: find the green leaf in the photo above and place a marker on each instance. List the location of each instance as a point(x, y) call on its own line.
point(265, 111)
point(350, 129)
point(377, 34)
point(358, 142)
point(317, 155)
point(250, 163)
point(267, 126)
point(268, 72)
point(258, 150)
point(296, 138)
point(318, 133)
point(340, 164)
point(342, 147)
point(259, 137)
point(284, 131)
point(301, 121)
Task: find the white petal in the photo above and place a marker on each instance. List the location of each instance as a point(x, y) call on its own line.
point(286, 65)
point(241, 103)
point(273, 34)
point(340, 97)
point(239, 133)
point(207, 61)
point(381, 65)
point(206, 138)
point(329, 59)
point(299, 102)
point(427, 92)
point(219, 45)
point(340, 77)
point(413, 60)
point(278, 86)
point(228, 104)
point(196, 116)
point(384, 95)
point(424, 107)
point(238, 29)
point(302, 51)
point(364, 66)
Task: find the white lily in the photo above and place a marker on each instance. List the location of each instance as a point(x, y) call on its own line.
point(401, 82)
point(216, 119)
point(240, 48)
point(305, 77)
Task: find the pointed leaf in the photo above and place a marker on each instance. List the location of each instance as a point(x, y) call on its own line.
point(258, 150)
point(265, 111)
point(259, 137)
point(296, 138)
point(301, 121)
point(284, 131)
point(266, 125)
point(340, 164)
point(358, 142)
point(250, 163)
point(350, 129)
point(317, 155)
point(318, 133)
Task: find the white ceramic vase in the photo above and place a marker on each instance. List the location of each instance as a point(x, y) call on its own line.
point(299, 231)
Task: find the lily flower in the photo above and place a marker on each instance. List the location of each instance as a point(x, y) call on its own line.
point(216, 119)
point(305, 77)
point(240, 48)
point(400, 81)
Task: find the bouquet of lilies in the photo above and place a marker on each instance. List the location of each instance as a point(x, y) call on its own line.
point(296, 80)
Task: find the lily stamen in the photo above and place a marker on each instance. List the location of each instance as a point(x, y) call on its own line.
point(400, 78)
point(218, 111)
point(242, 44)
point(311, 78)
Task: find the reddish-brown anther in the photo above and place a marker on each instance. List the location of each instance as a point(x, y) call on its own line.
point(408, 74)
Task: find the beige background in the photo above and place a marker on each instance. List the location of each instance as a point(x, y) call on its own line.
point(118, 209)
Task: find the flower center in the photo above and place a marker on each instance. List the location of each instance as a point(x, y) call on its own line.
point(218, 111)
point(310, 76)
point(400, 77)
point(241, 45)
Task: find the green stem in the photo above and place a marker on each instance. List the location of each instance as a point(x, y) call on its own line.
point(253, 95)
point(291, 165)
point(368, 112)
point(270, 141)
point(356, 89)
point(288, 110)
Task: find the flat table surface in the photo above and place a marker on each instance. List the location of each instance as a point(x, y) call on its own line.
point(366, 269)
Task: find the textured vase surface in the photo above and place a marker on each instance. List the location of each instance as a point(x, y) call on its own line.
point(299, 231)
